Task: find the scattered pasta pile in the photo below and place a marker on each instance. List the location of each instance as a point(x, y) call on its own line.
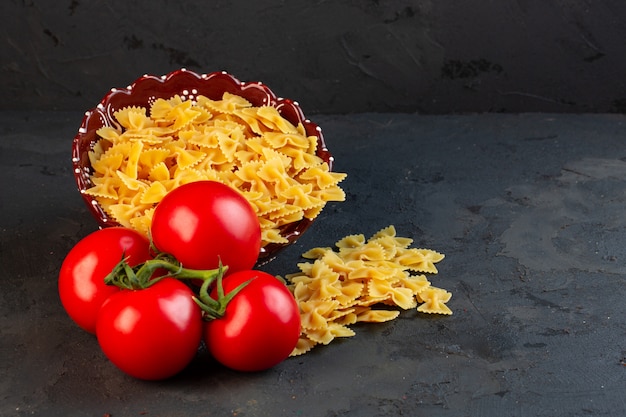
point(340, 288)
point(253, 149)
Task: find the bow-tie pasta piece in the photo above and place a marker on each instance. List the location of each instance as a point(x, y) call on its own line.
point(361, 281)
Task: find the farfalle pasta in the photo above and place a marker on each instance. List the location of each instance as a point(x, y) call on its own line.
point(362, 281)
point(173, 142)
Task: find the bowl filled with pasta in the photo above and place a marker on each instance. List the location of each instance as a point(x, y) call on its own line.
point(160, 132)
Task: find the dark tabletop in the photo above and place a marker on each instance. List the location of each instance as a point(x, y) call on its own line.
point(528, 209)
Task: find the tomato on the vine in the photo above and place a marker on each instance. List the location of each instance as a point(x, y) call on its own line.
point(81, 278)
point(203, 222)
point(151, 333)
point(260, 326)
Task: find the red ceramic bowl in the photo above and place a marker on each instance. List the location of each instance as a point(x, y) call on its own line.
point(188, 84)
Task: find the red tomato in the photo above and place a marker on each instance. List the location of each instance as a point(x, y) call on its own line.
point(261, 324)
point(151, 333)
point(201, 222)
point(81, 278)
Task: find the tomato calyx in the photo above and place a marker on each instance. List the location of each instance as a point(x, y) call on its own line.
point(215, 308)
point(145, 274)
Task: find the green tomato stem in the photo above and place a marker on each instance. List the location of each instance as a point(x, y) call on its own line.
point(142, 276)
point(216, 308)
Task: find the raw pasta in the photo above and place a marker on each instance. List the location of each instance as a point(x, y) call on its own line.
point(361, 281)
point(253, 149)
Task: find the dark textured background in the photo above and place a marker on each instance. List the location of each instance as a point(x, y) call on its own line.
point(528, 208)
point(340, 56)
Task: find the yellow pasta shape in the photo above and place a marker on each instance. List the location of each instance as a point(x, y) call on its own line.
point(417, 283)
point(370, 251)
point(315, 312)
point(272, 119)
point(108, 164)
point(245, 157)
point(320, 270)
point(351, 241)
point(286, 213)
point(313, 143)
point(104, 189)
point(422, 260)
point(325, 336)
point(345, 320)
point(314, 253)
point(228, 104)
point(142, 223)
point(177, 140)
point(278, 140)
point(130, 182)
point(301, 160)
point(326, 291)
point(350, 293)
point(255, 145)
point(99, 149)
point(377, 316)
point(301, 291)
point(153, 194)
point(230, 125)
point(330, 194)
point(313, 321)
point(229, 145)
point(186, 158)
point(269, 154)
point(389, 231)
point(125, 212)
point(322, 176)
point(161, 110)
point(183, 114)
point(251, 119)
point(159, 173)
point(347, 284)
point(342, 316)
point(155, 133)
point(185, 176)
point(214, 160)
point(133, 159)
point(204, 117)
point(249, 172)
point(207, 138)
point(153, 156)
point(264, 207)
point(434, 301)
point(109, 133)
point(330, 258)
point(133, 118)
point(300, 196)
point(402, 297)
point(273, 171)
point(270, 234)
point(339, 330)
point(388, 244)
point(303, 346)
point(105, 148)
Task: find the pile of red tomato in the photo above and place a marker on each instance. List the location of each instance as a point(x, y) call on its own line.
point(151, 304)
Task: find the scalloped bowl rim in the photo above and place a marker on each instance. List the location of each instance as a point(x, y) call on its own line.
point(256, 92)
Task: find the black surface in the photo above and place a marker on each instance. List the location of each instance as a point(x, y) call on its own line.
point(529, 210)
